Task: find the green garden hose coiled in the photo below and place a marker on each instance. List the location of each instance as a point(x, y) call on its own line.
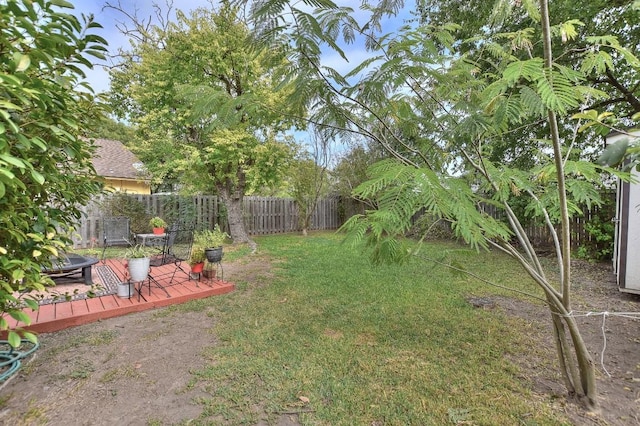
point(10, 357)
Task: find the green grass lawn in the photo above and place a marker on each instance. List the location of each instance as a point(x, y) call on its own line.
point(343, 342)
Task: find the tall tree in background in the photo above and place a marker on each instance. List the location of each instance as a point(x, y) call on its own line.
point(45, 169)
point(201, 93)
point(104, 127)
point(352, 168)
point(309, 180)
point(439, 110)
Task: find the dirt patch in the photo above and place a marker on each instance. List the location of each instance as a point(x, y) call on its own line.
point(135, 369)
point(613, 340)
point(128, 370)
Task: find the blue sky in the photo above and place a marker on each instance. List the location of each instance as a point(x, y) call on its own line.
point(109, 18)
point(98, 77)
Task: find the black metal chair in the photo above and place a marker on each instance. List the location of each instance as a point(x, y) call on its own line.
point(163, 256)
point(116, 231)
point(176, 251)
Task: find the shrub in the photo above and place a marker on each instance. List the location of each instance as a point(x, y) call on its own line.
point(122, 204)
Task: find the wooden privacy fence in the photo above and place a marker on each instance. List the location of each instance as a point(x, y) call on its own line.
point(262, 215)
point(541, 236)
point(272, 215)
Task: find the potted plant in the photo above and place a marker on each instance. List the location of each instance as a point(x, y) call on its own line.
point(211, 240)
point(197, 258)
point(138, 259)
point(157, 224)
point(210, 270)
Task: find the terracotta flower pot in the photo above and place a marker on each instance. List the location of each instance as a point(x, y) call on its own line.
point(197, 268)
point(158, 231)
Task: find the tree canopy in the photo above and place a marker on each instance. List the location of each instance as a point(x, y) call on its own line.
point(45, 168)
point(580, 26)
point(209, 113)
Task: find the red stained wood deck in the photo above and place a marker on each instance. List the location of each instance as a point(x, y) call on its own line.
point(58, 316)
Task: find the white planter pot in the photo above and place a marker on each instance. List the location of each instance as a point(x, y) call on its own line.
point(139, 268)
point(125, 290)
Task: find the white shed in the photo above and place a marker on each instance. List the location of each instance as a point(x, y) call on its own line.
point(626, 255)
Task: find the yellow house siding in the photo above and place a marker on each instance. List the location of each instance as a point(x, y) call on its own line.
point(119, 168)
point(128, 186)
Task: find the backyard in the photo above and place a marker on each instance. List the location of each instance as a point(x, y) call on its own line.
point(314, 334)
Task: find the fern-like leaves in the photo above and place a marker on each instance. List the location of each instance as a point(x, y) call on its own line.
point(400, 192)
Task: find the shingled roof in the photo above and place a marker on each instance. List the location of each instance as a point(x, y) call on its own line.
point(114, 160)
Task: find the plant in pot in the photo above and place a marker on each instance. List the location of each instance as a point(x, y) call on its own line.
point(157, 224)
point(138, 259)
point(211, 240)
point(197, 258)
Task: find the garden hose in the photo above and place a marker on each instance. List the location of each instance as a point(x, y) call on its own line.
point(10, 358)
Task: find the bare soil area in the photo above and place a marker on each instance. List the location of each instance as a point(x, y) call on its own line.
point(135, 369)
point(612, 337)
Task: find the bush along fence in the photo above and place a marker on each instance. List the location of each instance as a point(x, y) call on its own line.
point(262, 215)
point(592, 232)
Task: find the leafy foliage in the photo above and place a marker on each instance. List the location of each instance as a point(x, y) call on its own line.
point(351, 170)
point(103, 127)
point(205, 107)
point(121, 204)
point(445, 109)
point(601, 45)
point(601, 230)
point(45, 168)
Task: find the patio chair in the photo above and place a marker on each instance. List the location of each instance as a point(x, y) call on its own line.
point(176, 250)
point(116, 232)
point(164, 255)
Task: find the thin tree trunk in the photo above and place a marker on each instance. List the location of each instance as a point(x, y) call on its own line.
point(583, 377)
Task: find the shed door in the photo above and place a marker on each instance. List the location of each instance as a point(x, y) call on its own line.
point(622, 227)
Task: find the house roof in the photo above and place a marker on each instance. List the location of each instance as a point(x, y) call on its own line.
point(114, 160)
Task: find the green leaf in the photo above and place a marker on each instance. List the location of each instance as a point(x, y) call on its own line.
point(31, 304)
point(9, 105)
point(62, 3)
point(30, 337)
point(557, 92)
point(586, 115)
point(614, 153)
point(529, 70)
point(7, 173)
point(38, 177)
point(23, 63)
point(13, 161)
point(20, 316)
point(14, 339)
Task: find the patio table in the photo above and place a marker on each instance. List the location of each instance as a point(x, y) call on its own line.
point(151, 239)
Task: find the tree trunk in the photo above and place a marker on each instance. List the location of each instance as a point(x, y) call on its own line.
point(237, 229)
point(579, 368)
